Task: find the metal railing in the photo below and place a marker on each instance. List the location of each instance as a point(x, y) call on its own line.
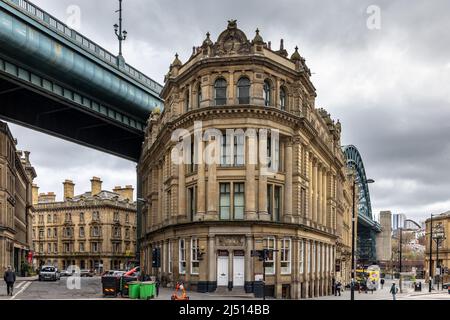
point(56, 25)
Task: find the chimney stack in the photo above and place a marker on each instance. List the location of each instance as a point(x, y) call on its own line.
point(96, 186)
point(35, 194)
point(47, 197)
point(69, 189)
point(126, 192)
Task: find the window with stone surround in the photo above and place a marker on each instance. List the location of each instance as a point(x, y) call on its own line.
point(301, 257)
point(238, 201)
point(225, 201)
point(283, 99)
point(267, 93)
point(270, 244)
point(199, 95)
point(274, 201)
point(170, 257)
point(243, 90)
point(286, 255)
point(232, 151)
point(220, 92)
point(192, 202)
point(182, 256)
point(195, 263)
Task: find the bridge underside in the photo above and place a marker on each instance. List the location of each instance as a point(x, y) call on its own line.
point(366, 244)
point(28, 107)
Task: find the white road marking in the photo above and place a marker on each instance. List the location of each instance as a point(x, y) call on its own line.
point(27, 284)
point(19, 285)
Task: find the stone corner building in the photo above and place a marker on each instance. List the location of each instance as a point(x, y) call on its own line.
point(207, 218)
point(16, 179)
point(95, 230)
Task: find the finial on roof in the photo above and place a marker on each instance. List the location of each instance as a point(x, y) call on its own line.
point(177, 62)
point(258, 39)
point(207, 41)
point(296, 55)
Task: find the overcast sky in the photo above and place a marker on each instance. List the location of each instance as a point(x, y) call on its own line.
point(388, 86)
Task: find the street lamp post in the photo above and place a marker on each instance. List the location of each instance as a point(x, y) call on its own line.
point(430, 286)
point(121, 35)
point(352, 286)
point(438, 236)
point(400, 259)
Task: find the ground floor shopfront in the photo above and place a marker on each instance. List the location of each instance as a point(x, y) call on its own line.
point(301, 261)
point(12, 253)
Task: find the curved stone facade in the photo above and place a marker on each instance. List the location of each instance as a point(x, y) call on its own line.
point(271, 174)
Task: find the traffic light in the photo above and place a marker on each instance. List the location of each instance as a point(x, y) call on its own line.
point(156, 258)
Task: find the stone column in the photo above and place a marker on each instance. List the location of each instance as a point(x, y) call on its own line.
point(249, 276)
point(250, 181)
point(231, 91)
point(160, 195)
point(262, 186)
point(319, 194)
point(288, 183)
point(314, 203)
point(212, 260)
point(212, 197)
point(181, 191)
point(201, 183)
point(324, 197)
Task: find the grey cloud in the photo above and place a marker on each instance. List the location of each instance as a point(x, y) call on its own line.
point(388, 87)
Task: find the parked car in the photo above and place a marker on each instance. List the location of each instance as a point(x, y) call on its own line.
point(49, 273)
point(86, 273)
point(446, 286)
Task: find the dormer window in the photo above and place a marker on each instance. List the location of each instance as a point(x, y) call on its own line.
point(267, 93)
point(220, 92)
point(244, 90)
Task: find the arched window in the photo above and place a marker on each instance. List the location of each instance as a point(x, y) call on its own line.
point(187, 101)
point(199, 95)
point(220, 92)
point(283, 99)
point(244, 90)
point(267, 93)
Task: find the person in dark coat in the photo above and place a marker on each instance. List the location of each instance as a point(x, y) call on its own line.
point(10, 278)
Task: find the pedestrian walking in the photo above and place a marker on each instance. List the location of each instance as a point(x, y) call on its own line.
point(394, 291)
point(338, 288)
point(382, 283)
point(10, 279)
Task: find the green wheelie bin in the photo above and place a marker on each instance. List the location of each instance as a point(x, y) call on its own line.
point(147, 290)
point(134, 290)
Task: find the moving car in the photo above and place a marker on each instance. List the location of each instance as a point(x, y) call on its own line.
point(49, 273)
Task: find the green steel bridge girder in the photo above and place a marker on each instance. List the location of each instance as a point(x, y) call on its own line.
point(48, 87)
point(28, 40)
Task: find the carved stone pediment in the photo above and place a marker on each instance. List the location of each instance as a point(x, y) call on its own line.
point(232, 41)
